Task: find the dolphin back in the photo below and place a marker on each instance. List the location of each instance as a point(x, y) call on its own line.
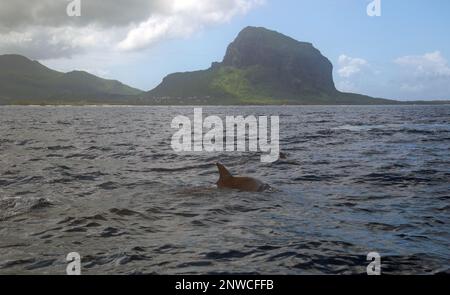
point(223, 172)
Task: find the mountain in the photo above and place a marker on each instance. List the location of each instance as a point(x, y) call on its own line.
point(23, 81)
point(260, 67)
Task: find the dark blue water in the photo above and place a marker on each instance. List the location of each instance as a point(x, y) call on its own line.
point(104, 182)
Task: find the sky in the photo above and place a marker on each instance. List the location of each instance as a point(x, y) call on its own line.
point(402, 54)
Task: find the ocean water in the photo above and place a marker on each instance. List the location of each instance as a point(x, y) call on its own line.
point(104, 182)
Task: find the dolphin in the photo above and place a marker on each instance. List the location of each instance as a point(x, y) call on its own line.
point(246, 184)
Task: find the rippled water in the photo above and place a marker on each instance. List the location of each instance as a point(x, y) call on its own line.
point(104, 182)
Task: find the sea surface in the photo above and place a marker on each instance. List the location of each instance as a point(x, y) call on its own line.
point(105, 182)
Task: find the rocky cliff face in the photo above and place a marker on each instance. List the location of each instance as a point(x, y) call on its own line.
point(296, 66)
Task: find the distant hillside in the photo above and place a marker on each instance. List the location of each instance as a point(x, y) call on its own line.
point(260, 67)
point(23, 81)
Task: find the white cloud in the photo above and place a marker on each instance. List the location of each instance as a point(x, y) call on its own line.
point(42, 29)
point(349, 66)
point(424, 76)
point(431, 64)
point(182, 18)
point(351, 73)
point(411, 77)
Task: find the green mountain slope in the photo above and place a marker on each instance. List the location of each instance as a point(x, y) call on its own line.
point(260, 67)
point(29, 82)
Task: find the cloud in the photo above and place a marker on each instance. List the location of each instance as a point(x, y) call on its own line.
point(21, 14)
point(42, 29)
point(349, 66)
point(352, 73)
point(45, 43)
point(411, 77)
point(431, 64)
point(182, 18)
point(424, 76)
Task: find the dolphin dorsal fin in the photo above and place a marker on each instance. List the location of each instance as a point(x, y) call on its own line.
point(224, 173)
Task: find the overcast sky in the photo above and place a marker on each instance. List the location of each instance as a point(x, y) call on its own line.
point(401, 54)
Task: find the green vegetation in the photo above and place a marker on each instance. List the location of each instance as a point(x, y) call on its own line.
point(237, 83)
point(23, 81)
